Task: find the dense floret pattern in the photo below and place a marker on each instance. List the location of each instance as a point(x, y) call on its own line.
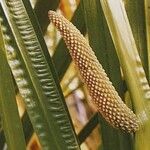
point(102, 92)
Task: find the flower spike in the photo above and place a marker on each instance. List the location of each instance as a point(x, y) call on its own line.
point(104, 95)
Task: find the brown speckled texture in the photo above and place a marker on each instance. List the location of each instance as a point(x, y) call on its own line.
point(103, 94)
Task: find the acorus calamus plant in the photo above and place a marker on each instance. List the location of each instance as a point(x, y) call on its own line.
point(118, 33)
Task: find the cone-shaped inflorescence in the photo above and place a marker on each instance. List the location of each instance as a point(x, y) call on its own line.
point(103, 94)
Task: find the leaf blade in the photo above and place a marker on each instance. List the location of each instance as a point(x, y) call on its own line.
point(10, 116)
point(44, 80)
point(131, 64)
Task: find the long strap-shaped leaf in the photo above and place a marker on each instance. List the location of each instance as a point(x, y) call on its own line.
point(131, 64)
point(44, 6)
point(147, 20)
point(8, 108)
point(26, 88)
point(43, 21)
point(48, 91)
point(135, 12)
point(61, 50)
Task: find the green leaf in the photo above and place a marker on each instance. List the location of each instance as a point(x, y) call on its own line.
point(27, 127)
point(41, 8)
point(40, 88)
point(147, 20)
point(135, 12)
point(88, 128)
point(26, 88)
point(8, 107)
point(132, 67)
point(2, 137)
point(61, 50)
point(43, 24)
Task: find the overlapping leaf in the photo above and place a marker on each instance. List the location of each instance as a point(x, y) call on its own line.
point(8, 107)
point(132, 67)
point(37, 82)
